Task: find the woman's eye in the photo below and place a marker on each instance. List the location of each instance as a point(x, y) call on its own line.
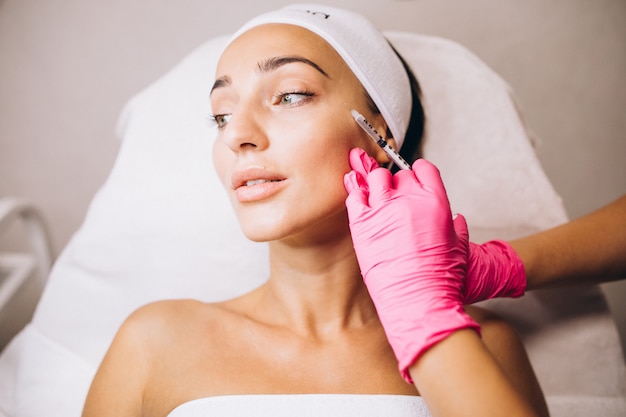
point(293, 98)
point(220, 120)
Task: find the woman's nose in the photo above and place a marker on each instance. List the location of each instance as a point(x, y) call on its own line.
point(244, 132)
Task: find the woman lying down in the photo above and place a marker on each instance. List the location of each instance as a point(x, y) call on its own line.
point(363, 311)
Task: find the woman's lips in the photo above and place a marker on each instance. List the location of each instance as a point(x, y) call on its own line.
point(253, 184)
point(260, 191)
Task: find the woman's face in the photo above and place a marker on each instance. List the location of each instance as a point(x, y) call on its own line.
point(282, 101)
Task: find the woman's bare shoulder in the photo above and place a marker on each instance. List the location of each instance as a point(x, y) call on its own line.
point(170, 309)
point(151, 345)
point(163, 335)
point(162, 318)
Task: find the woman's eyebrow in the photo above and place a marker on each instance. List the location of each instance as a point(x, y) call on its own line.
point(270, 64)
point(223, 81)
point(274, 63)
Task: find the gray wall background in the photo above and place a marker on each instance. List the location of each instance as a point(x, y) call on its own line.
point(68, 66)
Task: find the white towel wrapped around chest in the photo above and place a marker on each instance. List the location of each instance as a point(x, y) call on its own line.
point(304, 405)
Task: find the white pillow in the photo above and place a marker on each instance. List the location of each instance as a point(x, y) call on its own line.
point(161, 226)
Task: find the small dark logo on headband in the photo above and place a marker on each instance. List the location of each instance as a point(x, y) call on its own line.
point(324, 15)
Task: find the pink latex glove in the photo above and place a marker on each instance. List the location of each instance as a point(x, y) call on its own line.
point(411, 253)
point(494, 269)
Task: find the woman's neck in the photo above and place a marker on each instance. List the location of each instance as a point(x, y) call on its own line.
point(316, 288)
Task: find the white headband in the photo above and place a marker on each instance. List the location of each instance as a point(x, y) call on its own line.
point(363, 47)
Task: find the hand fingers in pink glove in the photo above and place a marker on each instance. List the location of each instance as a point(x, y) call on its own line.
point(354, 181)
point(430, 177)
point(405, 181)
point(362, 164)
point(410, 253)
point(357, 193)
point(494, 268)
point(380, 185)
point(460, 228)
